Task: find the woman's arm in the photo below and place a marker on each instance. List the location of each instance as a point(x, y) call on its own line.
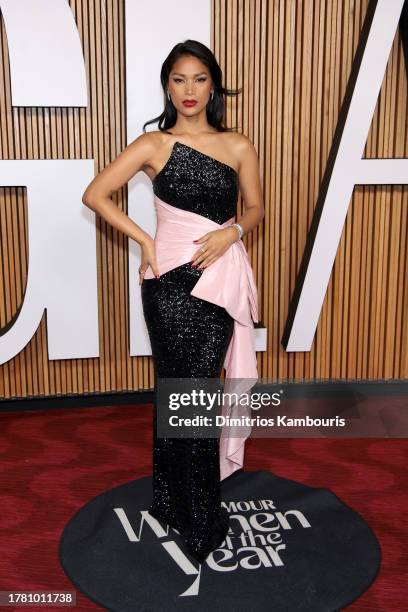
point(250, 185)
point(115, 175)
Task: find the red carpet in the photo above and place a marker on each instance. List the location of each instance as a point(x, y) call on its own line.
point(53, 461)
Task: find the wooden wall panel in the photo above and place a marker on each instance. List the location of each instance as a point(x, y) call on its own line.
point(292, 60)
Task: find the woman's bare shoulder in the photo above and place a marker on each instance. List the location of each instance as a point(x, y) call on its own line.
point(239, 141)
point(241, 147)
point(151, 140)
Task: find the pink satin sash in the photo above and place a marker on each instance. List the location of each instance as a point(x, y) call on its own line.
point(228, 282)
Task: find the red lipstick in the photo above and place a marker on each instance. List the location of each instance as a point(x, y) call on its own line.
point(189, 102)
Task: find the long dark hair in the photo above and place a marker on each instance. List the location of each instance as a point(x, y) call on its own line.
point(216, 106)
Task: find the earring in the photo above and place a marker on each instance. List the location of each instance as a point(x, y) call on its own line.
point(168, 95)
point(212, 95)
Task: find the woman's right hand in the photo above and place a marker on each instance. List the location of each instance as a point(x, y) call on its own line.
point(148, 259)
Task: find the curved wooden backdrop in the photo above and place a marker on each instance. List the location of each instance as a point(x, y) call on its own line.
point(292, 60)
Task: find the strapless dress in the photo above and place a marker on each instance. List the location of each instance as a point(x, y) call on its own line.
point(198, 321)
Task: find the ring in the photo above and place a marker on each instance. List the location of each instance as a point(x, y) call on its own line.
point(202, 249)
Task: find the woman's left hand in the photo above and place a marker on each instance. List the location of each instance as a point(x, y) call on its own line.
point(215, 244)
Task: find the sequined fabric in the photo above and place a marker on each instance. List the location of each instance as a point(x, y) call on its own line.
point(193, 181)
point(189, 338)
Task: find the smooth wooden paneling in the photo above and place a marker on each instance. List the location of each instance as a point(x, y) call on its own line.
point(292, 61)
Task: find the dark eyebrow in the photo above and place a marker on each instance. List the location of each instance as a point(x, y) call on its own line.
point(180, 74)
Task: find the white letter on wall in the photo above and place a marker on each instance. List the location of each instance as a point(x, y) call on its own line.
point(348, 169)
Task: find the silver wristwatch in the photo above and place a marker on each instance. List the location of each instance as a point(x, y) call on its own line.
point(239, 228)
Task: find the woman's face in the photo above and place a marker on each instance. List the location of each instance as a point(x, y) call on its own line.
point(189, 79)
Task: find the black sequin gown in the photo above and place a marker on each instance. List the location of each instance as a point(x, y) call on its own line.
point(189, 338)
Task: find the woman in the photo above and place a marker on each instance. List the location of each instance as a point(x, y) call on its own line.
point(197, 167)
